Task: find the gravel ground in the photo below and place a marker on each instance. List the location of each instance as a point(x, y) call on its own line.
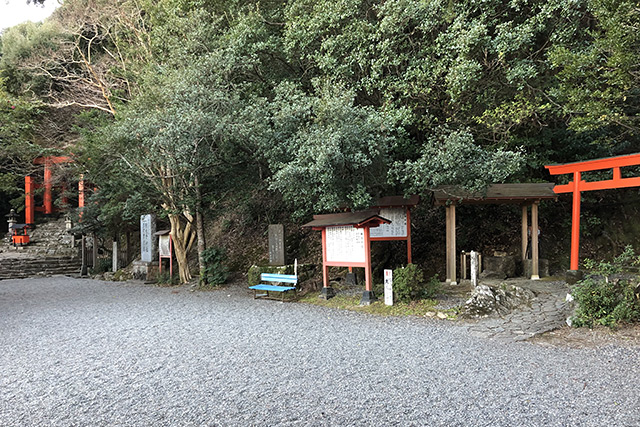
point(82, 352)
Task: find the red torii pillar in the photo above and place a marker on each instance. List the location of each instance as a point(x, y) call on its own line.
point(578, 185)
point(30, 186)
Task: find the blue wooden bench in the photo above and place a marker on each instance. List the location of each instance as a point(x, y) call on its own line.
point(282, 288)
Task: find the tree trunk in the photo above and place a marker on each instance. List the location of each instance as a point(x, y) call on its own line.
point(181, 237)
point(202, 243)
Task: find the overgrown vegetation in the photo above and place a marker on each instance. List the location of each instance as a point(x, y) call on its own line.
point(215, 270)
point(606, 296)
point(177, 106)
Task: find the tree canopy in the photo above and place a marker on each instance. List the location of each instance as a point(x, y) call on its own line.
point(325, 104)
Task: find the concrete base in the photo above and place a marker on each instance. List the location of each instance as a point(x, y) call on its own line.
point(351, 279)
point(327, 293)
point(543, 268)
point(574, 276)
point(142, 270)
point(367, 298)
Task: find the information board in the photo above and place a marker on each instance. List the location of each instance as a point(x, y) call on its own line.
point(165, 247)
point(345, 244)
point(398, 226)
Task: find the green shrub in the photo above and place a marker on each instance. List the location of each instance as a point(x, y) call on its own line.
point(605, 302)
point(215, 270)
point(408, 284)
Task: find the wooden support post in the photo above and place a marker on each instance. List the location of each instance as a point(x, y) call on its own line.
point(463, 265)
point(48, 187)
point(525, 229)
point(575, 222)
point(327, 291)
point(451, 244)
point(94, 258)
point(114, 260)
point(534, 242)
point(83, 254)
point(409, 260)
point(29, 202)
point(448, 243)
point(81, 196)
point(368, 285)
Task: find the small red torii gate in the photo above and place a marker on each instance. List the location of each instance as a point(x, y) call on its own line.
point(578, 185)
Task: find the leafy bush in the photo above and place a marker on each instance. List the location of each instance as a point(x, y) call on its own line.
point(215, 271)
point(408, 284)
point(604, 300)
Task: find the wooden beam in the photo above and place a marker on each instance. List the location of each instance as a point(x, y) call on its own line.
point(593, 165)
point(609, 184)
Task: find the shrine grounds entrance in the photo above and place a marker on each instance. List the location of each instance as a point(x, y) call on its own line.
point(86, 352)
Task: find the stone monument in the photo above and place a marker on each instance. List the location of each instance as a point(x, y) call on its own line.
point(147, 268)
point(277, 247)
point(148, 243)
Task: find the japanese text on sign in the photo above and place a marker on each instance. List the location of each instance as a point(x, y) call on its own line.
point(345, 244)
point(398, 226)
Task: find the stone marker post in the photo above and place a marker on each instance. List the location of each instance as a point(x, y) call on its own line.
point(474, 268)
point(276, 245)
point(115, 256)
point(148, 248)
point(388, 287)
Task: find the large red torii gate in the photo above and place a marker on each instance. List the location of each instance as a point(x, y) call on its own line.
point(30, 186)
point(578, 185)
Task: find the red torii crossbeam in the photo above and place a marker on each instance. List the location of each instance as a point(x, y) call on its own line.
point(578, 185)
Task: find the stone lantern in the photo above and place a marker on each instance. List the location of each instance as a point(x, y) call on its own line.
point(12, 219)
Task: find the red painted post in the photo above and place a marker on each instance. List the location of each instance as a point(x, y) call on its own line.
point(81, 194)
point(367, 260)
point(325, 268)
point(28, 200)
point(48, 187)
point(575, 220)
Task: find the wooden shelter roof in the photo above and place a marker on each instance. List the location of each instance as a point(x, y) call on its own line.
point(496, 193)
point(357, 219)
point(397, 201)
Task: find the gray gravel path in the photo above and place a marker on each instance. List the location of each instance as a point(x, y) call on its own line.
point(81, 352)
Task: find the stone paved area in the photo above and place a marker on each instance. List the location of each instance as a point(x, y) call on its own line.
point(548, 311)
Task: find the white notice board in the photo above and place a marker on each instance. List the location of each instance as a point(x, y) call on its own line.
point(398, 226)
point(345, 244)
point(164, 246)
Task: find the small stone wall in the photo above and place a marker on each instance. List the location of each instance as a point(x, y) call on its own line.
point(486, 300)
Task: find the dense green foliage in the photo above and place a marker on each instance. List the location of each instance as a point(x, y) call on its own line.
point(173, 105)
point(215, 272)
point(409, 284)
point(605, 297)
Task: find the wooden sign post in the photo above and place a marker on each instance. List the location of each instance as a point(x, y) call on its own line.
point(346, 242)
point(396, 209)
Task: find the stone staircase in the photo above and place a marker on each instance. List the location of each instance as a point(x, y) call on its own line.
point(48, 253)
point(51, 239)
point(21, 267)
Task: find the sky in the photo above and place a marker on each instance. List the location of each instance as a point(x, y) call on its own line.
point(14, 12)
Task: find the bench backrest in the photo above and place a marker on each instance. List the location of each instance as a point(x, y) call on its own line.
point(283, 278)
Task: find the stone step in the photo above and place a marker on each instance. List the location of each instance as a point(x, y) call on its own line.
point(23, 267)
